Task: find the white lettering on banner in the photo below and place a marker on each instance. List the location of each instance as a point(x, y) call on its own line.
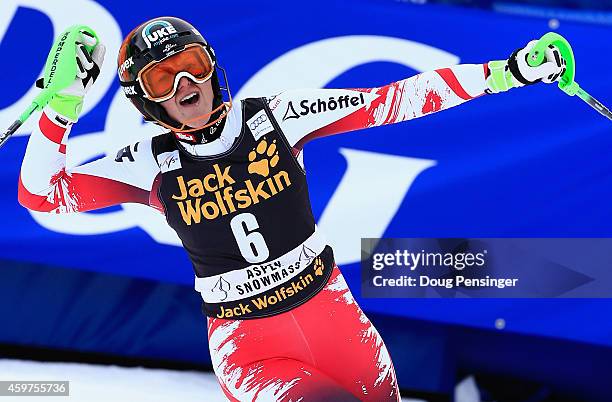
point(301, 67)
point(61, 14)
point(388, 184)
point(294, 69)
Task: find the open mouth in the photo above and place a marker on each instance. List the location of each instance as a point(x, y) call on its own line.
point(190, 99)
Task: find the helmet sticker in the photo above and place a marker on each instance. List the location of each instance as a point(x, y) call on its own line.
point(169, 47)
point(157, 32)
point(125, 65)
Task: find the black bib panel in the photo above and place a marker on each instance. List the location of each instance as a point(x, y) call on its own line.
point(242, 208)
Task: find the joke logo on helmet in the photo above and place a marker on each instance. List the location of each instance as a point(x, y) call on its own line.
point(156, 31)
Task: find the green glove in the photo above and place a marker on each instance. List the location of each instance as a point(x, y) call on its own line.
point(516, 72)
point(72, 67)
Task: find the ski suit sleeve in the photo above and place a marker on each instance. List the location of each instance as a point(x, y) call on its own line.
point(46, 185)
point(306, 114)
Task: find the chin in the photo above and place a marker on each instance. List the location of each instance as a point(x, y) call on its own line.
point(197, 123)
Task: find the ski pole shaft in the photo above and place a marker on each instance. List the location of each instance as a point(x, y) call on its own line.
point(17, 123)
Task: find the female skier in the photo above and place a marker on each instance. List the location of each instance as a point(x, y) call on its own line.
point(229, 177)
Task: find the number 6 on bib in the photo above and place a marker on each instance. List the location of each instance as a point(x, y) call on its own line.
point(251, 243)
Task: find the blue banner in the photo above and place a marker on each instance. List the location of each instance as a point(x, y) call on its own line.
point(532, 162)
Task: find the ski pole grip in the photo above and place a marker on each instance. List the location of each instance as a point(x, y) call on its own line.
point(538, 53)
point(59, 73)
point(60, 68)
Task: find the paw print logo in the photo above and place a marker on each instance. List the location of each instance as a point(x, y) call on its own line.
point(318, 266)
point(263, 157)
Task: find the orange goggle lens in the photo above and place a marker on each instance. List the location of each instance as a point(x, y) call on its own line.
point(158, 80)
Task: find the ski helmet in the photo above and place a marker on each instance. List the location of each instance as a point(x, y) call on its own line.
point(153, 42)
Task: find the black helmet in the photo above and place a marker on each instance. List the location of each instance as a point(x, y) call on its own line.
point(154, 41)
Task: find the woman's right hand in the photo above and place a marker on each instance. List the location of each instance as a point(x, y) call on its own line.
point(68, 102)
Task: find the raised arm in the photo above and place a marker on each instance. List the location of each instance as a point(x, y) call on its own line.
point(307, 114)
point(46, 185)
point(311, 113)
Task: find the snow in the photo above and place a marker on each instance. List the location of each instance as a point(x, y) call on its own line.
point(98, 383)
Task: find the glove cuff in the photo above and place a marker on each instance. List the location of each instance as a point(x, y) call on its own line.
point(68, 106)
point(500, 78)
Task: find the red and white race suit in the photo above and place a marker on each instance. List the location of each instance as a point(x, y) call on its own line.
point(316, 344)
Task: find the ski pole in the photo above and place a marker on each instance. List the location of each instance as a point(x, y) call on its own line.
point(567, 81)
point(60, 70)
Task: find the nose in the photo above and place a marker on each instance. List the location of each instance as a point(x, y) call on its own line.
point(183, 82)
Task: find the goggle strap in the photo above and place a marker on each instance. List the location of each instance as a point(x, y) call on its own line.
point(132, 89)
point(226, 87)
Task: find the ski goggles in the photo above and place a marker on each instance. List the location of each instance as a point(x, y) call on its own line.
point(159, 79)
